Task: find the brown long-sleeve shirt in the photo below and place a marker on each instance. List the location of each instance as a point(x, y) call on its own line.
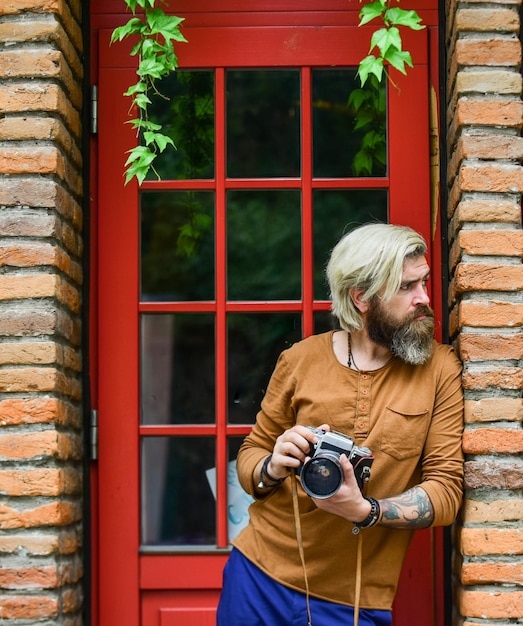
point(411, 417)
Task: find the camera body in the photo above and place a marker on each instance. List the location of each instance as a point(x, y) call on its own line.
point(321, 475)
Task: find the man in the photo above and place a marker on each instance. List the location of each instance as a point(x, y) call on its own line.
point(387, 384)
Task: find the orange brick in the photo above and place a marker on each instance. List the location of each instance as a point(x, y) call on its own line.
point(29, 353)
point(488, 277)
point(495, 604)
point(498, 474)
point(28, 578)
point(494, 409)
point(497, 511)
point(499, 573)
point(38, 411)
point(487, 50)
point(55, 513)
point(491, 242)
point(487, 210)
point(494, 378)
point(24, 607)
point(486, 347)
point(61, 542)
point(493, 440)
point(29, 379)
point(39, 96)
point(497, 19)
point(503, 113)
point(491, 146)
point(491, 177)
point(481, 541)
point(72, 600)
point(40, 482)
point(28, 445)
point(490, 313)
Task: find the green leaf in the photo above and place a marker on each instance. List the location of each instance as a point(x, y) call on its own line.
point(132, 27)
point(384, 38)
point(370, 65)
point(142, 100)
point(362, 163)
point(398, 58)
point(371, 11)
point(162, 141)
point(357, 98)
point(400, 17)
point(139, 162)
point(139, 87)
point(151, 67)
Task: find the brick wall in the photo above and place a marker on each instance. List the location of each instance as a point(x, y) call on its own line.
point(485, 178)
point(40, 300)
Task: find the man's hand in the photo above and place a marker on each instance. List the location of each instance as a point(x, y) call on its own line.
point(348, 501)
point(291, 449)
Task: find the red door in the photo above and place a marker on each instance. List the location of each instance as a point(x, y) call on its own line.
point(204, 276)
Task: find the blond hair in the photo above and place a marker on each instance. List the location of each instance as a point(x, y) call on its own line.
point(369, 258)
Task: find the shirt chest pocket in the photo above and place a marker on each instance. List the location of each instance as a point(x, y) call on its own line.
point(403, 434)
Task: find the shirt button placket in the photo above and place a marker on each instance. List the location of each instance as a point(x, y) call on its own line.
point(363, 406)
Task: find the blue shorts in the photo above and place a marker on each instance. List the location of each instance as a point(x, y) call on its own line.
point(251, 598)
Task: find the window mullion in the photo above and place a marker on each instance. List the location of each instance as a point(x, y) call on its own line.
point(306, 201)
point(221, 316)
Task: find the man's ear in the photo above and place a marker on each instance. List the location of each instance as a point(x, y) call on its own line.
point(356, 295)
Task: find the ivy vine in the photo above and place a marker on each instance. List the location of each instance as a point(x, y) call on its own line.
point(156, 33)
point(386, 39)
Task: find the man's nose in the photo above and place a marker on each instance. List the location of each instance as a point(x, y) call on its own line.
point(421, 295)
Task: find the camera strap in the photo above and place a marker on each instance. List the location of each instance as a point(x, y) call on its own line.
point(299, 537)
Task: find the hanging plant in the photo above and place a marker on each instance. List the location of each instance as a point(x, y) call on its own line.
point(156, 33)
point(386, 39)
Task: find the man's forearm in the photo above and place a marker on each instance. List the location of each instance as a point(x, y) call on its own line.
point(411, 509)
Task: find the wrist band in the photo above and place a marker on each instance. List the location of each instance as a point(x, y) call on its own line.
point(373, 517)
point(266, 480)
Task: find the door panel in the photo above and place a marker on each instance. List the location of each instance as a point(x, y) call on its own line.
point(228, 246)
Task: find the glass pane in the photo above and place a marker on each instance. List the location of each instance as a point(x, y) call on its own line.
point(348, 124)
point(324, 321)
point(264, 245)
point(177, 368)
point(238, 501)
point(177, 501)
point(335, 212)
point(177, 245)
point(263, 123)
point(254, 342)
point(186, 114)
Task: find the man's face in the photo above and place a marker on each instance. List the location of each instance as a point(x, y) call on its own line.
point(405, 323)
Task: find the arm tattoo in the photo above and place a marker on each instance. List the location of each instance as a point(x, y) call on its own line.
point(411, 509)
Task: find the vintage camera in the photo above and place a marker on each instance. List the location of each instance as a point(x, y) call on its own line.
point(321, 476)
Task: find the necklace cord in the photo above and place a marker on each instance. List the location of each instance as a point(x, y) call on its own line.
point(350, 356)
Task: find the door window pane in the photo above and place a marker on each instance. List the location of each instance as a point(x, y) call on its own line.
point(185, 111)
point(177, 368)
point(348, 125)
point(264, 245)
point(335, 212)
point(254, 342)
point(177, 245)
point(263, 123)
point(177, 501)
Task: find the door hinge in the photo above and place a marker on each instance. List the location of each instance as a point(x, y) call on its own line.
point(93, 435)
point(94, 109)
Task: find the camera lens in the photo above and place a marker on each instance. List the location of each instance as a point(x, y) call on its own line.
point(321, 477)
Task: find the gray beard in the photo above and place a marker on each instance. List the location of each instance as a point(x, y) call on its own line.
point(413, 345)
point(410, 341)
